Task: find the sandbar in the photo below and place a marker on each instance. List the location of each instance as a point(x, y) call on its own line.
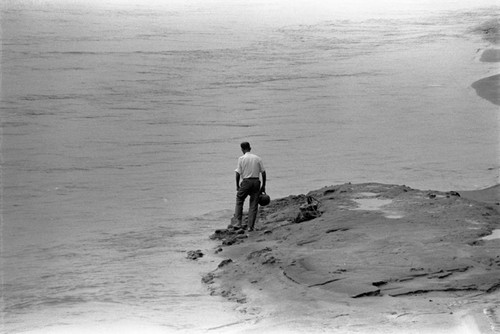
point(365, 258)
point(490, 56)
point(489, 88)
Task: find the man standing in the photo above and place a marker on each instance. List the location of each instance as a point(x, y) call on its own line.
point(249, 168)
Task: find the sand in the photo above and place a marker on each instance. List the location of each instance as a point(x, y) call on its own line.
point(365, 258)
point(489, 88)
point(490, 56)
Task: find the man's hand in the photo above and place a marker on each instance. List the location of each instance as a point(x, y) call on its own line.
point(237, 181)
point(264, 178)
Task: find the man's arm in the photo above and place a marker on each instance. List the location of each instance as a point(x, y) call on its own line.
point(263, 188)
point(237, 181)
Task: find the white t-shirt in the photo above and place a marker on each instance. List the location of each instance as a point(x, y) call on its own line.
point(249, 165)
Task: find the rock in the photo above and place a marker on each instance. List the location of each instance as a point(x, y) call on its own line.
point(270, 260)
point(194, 255)
point(224, 263)
point(308, 211)
point(232, 240)
point(208, 278)
point(220, 234)
point(258, 253)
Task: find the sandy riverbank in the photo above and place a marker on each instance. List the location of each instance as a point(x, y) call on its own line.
point(490, 56)
point(489, 88)
point(366, 258)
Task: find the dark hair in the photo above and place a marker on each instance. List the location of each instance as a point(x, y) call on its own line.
point(245, 146)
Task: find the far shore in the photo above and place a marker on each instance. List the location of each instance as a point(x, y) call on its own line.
point(365, 258)
point(489, 88)
point(490, 56)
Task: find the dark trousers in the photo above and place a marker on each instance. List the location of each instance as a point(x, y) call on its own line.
point(248, 187)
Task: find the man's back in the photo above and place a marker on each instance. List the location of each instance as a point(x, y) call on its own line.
point(250, 166)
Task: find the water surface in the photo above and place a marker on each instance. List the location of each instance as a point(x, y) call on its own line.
point(121, 124)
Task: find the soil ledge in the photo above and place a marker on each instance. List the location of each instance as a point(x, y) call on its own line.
point(366, 258)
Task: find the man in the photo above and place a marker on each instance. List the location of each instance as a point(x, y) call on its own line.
point(249, 168)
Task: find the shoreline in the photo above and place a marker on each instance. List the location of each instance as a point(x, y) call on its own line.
point(365, 258)
point(490, 56)
point(488, 88)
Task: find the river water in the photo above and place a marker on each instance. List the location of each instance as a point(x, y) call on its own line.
point(121, 124)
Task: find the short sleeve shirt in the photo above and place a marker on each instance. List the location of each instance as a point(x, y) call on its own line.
point(249, 165)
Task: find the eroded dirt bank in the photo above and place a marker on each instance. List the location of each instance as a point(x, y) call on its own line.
point(366, 258)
